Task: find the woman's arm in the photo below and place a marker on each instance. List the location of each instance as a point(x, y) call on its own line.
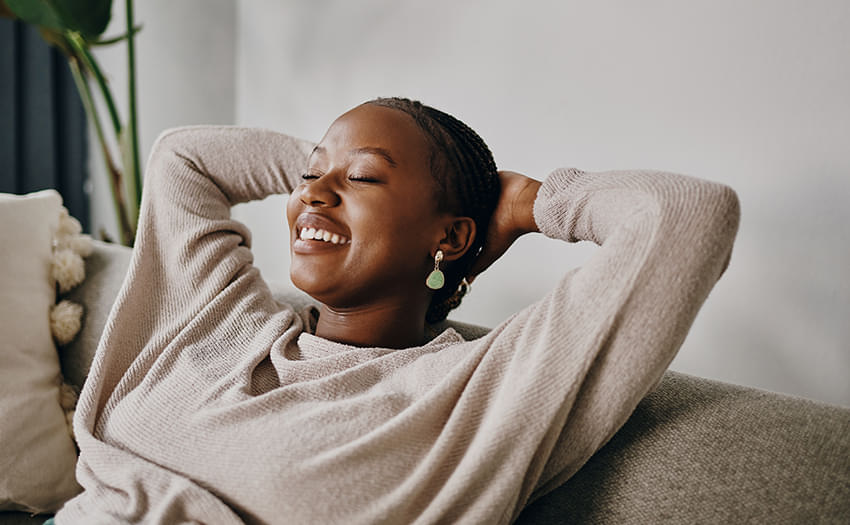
point(513, 217)
point(245, 164)
point(188, 245)
point(190, 290)
point(188, 249)
point(595, 345)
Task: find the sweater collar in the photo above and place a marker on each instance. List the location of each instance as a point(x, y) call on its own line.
point(312, 346)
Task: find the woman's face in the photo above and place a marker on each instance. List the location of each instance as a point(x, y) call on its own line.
point(368, 199)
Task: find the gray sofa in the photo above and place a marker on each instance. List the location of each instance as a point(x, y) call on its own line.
point(694, 451)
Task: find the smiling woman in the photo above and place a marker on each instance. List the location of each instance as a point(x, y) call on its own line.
point(208, 401)
point(378, 191)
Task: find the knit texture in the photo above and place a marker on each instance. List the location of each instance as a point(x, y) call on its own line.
point(208, 401)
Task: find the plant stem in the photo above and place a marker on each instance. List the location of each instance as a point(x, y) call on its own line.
point(113, 40)
point(135, 181)
point(114, 174)
point(81, 50)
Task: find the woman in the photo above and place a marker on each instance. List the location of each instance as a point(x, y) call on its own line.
point(210, 402)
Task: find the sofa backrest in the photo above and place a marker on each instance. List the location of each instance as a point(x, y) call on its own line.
point(701, 451)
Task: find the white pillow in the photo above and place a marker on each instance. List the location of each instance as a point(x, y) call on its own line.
point(37, 453)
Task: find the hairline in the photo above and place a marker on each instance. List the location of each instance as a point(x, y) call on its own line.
point(438, 167)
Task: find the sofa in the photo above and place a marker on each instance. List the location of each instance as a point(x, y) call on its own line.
point(694, 451)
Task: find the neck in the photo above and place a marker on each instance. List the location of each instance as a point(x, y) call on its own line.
point(384, 326)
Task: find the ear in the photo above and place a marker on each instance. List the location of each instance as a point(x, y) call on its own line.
point(458, 235)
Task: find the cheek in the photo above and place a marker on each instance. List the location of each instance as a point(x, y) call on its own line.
point(293, 207)
point(402, 223)
point(400, 246)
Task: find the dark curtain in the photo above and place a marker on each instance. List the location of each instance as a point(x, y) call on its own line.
point(43, 136)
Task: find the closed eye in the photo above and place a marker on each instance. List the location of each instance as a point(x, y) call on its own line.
point(362, 178)
point(353, 177)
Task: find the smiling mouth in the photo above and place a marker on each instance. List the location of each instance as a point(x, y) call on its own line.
point(318, 234)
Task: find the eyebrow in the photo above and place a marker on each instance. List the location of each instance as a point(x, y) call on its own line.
point(381, 152)
point(365, 150)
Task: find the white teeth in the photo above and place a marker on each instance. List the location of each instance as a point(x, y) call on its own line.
point(321, 235)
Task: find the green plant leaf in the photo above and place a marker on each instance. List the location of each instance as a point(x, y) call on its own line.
point(87, 17)
point(37, 12)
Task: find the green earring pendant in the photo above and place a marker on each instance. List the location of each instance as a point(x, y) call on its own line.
point(436, 279)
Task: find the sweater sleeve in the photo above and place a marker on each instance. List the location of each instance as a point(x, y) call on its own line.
point(187, 244)
point(601, 340)
point(188, 249)
point(190, 274)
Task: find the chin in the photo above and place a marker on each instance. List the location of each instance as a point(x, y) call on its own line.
point(314, 286)
point(306, 285)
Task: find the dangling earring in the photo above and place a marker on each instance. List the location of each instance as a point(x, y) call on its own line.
point(436, 280)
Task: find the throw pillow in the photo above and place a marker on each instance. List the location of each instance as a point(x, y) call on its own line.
point(37, 453)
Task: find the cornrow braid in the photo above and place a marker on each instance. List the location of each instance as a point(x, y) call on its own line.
point(468, 184)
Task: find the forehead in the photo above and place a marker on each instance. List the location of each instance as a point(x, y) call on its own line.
point(377, 127)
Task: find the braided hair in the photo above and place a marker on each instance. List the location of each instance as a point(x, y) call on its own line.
point(467, 184)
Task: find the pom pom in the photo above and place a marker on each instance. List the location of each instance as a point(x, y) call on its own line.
point(65, 321)
point(69, 270)
point(67, 397)
point(79, 244)
point(68, 225)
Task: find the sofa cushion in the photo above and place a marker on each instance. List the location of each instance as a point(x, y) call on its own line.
point(37, 454)
point(106, 268)
point(702, 451)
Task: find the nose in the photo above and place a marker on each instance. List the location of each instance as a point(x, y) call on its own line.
point(319, 193)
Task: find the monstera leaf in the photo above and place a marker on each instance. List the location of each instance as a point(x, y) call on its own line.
point(89, 18)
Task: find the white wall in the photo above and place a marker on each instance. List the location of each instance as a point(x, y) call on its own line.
point(752, 94)
point(185, 74)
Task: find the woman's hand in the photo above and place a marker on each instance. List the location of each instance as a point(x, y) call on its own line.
point(514, 216)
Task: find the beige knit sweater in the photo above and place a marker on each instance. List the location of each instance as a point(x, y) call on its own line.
point(210, 402)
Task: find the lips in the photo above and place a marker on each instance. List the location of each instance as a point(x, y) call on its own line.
point(314, 231)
